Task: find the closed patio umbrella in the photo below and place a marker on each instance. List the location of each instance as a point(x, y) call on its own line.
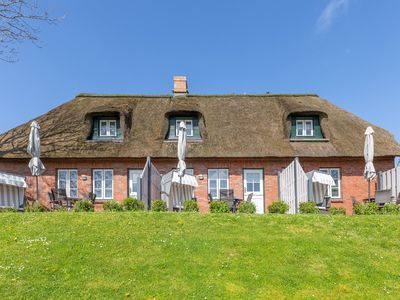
point(35, 164)
point(181, 151)
point(369, 171)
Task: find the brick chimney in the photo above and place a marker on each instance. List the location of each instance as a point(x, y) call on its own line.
point(180, 86)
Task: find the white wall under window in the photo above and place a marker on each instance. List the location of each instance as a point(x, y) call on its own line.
point(218, 179)
point(68, 179)
point(333, 191)
point(103, 183)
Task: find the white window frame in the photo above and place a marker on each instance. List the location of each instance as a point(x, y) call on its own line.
point(178, 122)
point(130, 183)
point(329, 172)
point(108, 126)
point(304, 131)
point(219, 170)
point(103, 185)
point(68, 180)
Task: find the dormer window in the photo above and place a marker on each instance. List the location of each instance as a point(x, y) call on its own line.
point(106, 128)
point(192, 127)
point(189, 127)
point(306, 128)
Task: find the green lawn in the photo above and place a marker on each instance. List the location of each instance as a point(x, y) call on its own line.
point(195, 256)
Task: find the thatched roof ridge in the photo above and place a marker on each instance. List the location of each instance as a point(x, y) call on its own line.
point(231, 126)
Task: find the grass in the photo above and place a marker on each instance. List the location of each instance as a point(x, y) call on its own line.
point(195, 256)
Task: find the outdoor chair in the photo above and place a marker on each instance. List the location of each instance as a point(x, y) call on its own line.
point(382, 197)
point(61, 196)
point(228, 195)
point(92, 197)
point(249, 197)
point(210, 198)
point(54, 204)
point(398, 199)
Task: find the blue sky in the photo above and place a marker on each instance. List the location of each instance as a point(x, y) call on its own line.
point(347, 51)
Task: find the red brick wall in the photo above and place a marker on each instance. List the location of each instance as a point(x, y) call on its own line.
point(352, 182)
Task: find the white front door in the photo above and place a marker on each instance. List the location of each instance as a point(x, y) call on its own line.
point(253, 183)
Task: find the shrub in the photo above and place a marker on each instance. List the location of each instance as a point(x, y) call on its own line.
point(83, 206)
point(190, 205)
point(61, 209)
point(278, 207)
point(7, 209)
point(158, 205)
point(337, 211)
point(247, 208)
point(370, 208)
point(390, 209)
point(112, 205)
point(133, 204)
point(308, 208)
point(35, 207)
point(219, 207)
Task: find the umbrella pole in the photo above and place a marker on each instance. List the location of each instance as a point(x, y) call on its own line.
point(37, 188)
point(369, 190)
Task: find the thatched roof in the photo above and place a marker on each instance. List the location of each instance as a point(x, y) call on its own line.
point(231, 126)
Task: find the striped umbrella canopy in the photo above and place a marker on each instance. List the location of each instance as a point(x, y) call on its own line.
point(369, 171)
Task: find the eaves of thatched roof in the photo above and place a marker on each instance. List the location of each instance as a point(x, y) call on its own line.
point(231, 126)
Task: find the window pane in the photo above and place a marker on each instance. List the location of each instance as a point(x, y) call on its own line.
point(108, 174)
point(213, 174)
point(62, 184)
point(62, 175)
point(299, 128)
point(98, 193)
point(98, 175)
point(73, 184)
point(97, 184)
point(103, 128)
point(189, 127)
point(335, 174)
point(108, 193)
point(73, 174)
point(249, 187)
point(213, 193)
point(113, 128)
point(213, 184)
point(256, 187)
point(335, 192)
point(223, 174)
point(73, 193)
point(108, 184)
point(223, 184)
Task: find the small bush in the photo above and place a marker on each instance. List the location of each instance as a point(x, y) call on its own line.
point(337, 211)
point(278, 207)
point(370, 208)
point(36, 207)
point(190, 205)
point(60, 209)
point(112, 205)
point(83, 206)
point(219, 207)
point(247, 208)
point(7, 210)
point(390, 209)
point(133, 204)
point(308, 208)
point(159, 205)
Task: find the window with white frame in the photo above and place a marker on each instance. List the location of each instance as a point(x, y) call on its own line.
point(108, 127)
point(189, 127)
point(304, 128)
point(68, 179)
point(333, 191)
point(134, 183)
point(218, 179)
point(103, 183)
